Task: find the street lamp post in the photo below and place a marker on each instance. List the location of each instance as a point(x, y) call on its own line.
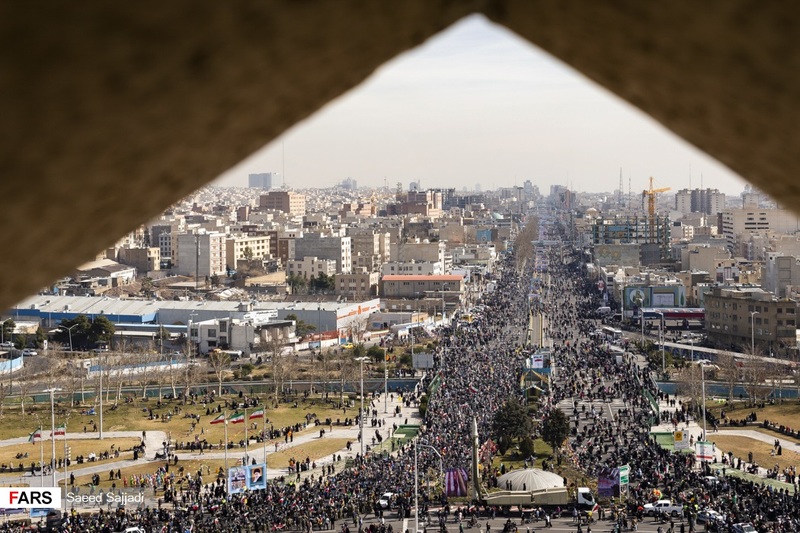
point(753, 332)
point(441, 462)
point(69, 330)
point(661, 342)
point(361, 417)
point(53, 431)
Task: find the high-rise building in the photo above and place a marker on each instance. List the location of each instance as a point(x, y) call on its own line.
point(262, 180)
point(708, 201)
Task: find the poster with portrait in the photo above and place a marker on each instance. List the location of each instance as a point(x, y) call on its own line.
point(237, 479)
point(257, 477)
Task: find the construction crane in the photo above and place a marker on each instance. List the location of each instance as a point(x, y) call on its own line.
point(651, 207)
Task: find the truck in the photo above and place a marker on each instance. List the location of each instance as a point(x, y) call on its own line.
point(663, 507)
point(550, 499)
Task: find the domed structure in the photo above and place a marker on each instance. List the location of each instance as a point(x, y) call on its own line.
point(530, 479)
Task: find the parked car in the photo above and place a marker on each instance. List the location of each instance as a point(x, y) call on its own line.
point(29, 351)
point(663, 506)
point(387, 500)
point(714, 519)
point(743, 527)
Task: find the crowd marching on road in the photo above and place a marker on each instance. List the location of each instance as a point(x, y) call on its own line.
point(478, 364)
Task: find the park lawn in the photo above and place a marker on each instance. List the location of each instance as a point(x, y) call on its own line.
point(315, 449)
point(134, 417)
point(787, 414)
point(77, 447)
point(741, 446)
point(210, 468)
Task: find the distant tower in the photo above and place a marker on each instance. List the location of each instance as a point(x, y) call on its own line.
point(619, 192)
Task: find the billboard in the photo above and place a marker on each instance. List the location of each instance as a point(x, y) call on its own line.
point(608, 483)
point(681, 440)
point(247, 477)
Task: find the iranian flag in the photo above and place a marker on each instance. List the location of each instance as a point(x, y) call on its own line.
point(61, 431)
point(37, 434)
point(219, 420)
point(236, 418)
point(257, 414)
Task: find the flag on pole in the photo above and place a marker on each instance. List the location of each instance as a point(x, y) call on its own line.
point(61, 431)
point(236, 418)
point(259, 413)
point(219, 420)
point(37, 434)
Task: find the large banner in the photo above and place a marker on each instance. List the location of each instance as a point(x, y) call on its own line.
point(704, 450)
point(608, 481)
point(237, 479)
point(681, 440)
point(456, 482)
point(247, 477)
point(257, 477)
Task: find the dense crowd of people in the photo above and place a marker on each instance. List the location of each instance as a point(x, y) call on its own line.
point(477, 368)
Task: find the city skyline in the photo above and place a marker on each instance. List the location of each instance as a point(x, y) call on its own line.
point(478, 105)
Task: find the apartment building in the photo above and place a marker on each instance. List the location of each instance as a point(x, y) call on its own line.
point(143, 259)
point(779, 273)
point(310, 267)
point(288, 202)
point(201, 254)
point(257, 246)
point(338, 249)
point(736, 224)
point(417, 268)
point(357, 286)
point(708, 201)
point(737, 317)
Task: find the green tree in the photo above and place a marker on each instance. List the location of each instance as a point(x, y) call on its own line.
point(301, 327)
point(555, 428)
point(40, 337)
point(323, 282)
point(102, 330)
point(511, 422)
point(296, 283)
point(247, 253)
point(8, 330)
point(215, 280)
point(376, 353)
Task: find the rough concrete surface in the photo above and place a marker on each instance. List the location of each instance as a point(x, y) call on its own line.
point(113, 111)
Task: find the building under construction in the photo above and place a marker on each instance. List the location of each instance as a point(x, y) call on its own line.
point(652, 235)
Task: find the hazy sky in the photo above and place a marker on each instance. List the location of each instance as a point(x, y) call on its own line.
point(479, 105)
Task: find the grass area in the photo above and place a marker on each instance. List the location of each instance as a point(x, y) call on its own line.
point(751, 477)
point(77, 447)
point(135, 417)
point(741, 446)
point(209, 470)
point(315, 449)
point(786, 413)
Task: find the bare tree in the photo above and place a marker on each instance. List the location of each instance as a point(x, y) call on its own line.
point(729, 371)
point(145, 359)
point(346, 367)
point(220, 362)
point(24, 382)
point(755, 374)
point(279, 364)
point(4, 389)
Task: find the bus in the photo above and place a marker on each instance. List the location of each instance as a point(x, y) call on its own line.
point(611, 334)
